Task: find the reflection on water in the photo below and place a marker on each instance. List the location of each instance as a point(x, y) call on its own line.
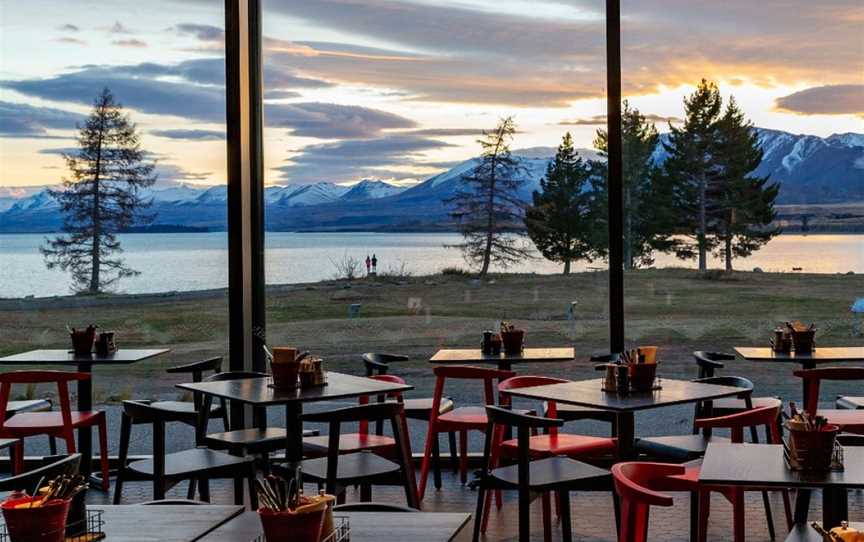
point(196, 261)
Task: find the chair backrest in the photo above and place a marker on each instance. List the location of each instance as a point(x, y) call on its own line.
point(499, 419)
point(813, 379)
point(739, 421)
point(198, 368)
point(364, 400)
point(378, 364)
point(708, 362)
point(640, 485)
point(465, 372)
point(528, 381)
point(372, 507)
point(703, 409)
point(27, 481)
point(61, 378)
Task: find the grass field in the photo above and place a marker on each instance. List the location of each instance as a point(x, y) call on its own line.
point(679, 310)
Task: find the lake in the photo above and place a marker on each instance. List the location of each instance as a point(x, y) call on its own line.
point(198, 261)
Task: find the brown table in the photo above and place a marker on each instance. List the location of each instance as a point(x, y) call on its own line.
point(84, 364)
point(365, 527)
point(763, 465)
point(164, 523)
point(504, 361)
point(589, 393)
point(258, 392)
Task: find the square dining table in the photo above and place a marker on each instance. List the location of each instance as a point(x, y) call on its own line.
point(364, 527)
point(164, 522)
point(84, 364)
point(589, 393)
point(259, 392)
point(763, 465)
point(504, 361)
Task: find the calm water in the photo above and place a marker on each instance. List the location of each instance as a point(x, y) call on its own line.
point(196, 261)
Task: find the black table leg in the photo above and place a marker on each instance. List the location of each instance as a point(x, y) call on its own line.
point(626, 436)
point(802, 505)
point(835, 506)
point(85, 436)
point(294, 429)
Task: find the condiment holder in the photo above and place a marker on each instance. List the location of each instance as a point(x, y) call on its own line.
point(812, 443)
point(512, 339)
point(631, 371)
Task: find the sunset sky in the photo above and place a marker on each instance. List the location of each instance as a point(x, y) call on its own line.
point(399, 89)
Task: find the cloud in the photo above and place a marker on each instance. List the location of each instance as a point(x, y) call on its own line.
point(59, 151)
point(68, 28)
point(130, 43)
point(341, 161)
point(201, 32)
point(824, 100)
point(444, 132)
point(601, 120)
point(172, 173)
point(280, 94)
point(333, 121)
point(22, 120)
point(67, 39)
point(116, 28)
point(191, 135)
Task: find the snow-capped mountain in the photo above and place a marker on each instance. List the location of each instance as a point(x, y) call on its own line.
point(810, 169)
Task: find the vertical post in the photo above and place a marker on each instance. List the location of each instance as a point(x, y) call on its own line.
point(243, 81)
point(615, 180)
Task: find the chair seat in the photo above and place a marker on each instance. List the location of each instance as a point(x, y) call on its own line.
point(677, 447)
point(348, 443)
point(572, 413)
point(351, 467)
point(848, 403)
point(253, 440)
point(32, 422)
point(185, 407)
point(32, 405)
point(421, 408)
point(562, 444)
point(470, 417)
point(553, 472)
point(851, 421)
point(724, 407)
point(190, 462)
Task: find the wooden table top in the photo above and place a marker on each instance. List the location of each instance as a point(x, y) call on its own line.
point(821, 354)
point(259, 392)
point(67, 357)
point(528, 355)
point(588, 393)
point(365, 527)
point(164, 523)
point(764, 465)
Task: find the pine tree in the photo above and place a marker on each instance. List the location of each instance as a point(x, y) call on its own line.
point(487, 207)
point(648, 221)
point(746, 207)
point(561, 221)
point(103, 197)
point(690, 167)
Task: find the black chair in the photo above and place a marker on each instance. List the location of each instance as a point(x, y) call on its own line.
point(415, 409)
point(187, 411)
point(708, 363)
point(337, 471)
point(166, 470)
point(372, 507)
point(66, 465)
point(552, 474)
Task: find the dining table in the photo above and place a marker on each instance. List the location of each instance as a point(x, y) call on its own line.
point(764, 465)
point(363, 527)
point(164, 522)
point(84, 363)
point(590, 393)
point(504, 361)
point(260, 392)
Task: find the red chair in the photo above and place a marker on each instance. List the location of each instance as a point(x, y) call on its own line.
point(639, 486)
point(736, 424)
point(55, 424)
point(317, 446)
point(851, 421)
point(461, 419)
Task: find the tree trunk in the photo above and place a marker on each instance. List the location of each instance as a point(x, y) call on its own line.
point(628, 231)
point(728, 241)
point(567, 266)
point(95, 251)
point(702, 236)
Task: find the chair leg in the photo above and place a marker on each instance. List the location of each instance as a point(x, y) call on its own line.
point(52, 445)
point(454, 457)
point(224, 405)
point(125, 434)
point(365, 493)
point(704, 512)
point(547, 520)
point(486, 505)
point(738, 516)
point(204, 489)
point(436, 462)
point(787, 508)
point(481, 513)
point(463, 457)
point(424, 465)
point(566, 526)
point(524, 515)
point(16, 457)
point(253, 492)
point(769, 517)
point(103, 453)
point(193, 488)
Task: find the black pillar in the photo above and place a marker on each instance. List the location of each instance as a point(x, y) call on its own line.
point(615, 178)
point(243, 88)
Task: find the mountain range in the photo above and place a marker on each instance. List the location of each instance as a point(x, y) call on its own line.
point(810, 170)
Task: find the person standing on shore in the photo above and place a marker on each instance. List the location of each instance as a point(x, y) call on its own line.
point(374, 264)
point(368, 264)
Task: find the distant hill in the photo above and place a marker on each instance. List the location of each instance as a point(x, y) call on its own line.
point(810, 169)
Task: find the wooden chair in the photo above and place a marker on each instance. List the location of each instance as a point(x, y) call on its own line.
point(541, 476)
point(708, 363)
point(415, 408)
point(60, 424)
point(166, 470)
point(187, 411)
point(851, 421)
point(337, 471)
point(33, 405)
point(27, 481)
point(461, 419)
point(639, 486)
